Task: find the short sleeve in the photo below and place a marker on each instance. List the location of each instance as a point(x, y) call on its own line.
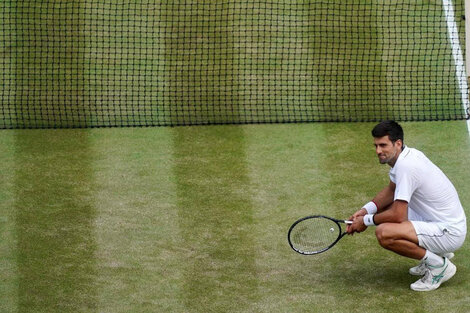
point(406, 184)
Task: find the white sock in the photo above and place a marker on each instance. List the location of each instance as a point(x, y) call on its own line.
point(432, 259)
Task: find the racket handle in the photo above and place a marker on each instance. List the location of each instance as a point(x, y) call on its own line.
point(348, 222)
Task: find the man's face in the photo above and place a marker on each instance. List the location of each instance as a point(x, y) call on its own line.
point(386, 150)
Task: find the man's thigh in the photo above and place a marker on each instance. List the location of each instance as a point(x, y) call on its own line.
point(399, 231)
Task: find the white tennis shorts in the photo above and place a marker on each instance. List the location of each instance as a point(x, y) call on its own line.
point(434, 236)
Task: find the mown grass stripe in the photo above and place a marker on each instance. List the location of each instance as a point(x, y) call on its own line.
point(8, 253)
point(215, 217)
point(137, 237)
point(54, 221)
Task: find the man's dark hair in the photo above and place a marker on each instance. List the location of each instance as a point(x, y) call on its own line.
point(388, 128)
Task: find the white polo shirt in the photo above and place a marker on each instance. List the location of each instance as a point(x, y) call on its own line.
point(428, 191)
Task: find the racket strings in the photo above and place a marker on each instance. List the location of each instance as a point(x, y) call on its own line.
point(314, 234)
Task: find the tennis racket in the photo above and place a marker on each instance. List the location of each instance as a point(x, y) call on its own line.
point(315, 234)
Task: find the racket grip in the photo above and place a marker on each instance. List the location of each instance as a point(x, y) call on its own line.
point(348, 222)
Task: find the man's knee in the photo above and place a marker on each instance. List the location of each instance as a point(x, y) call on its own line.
point(384, 235)
point(388, 233)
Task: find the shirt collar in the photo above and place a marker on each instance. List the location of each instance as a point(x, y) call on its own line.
point(402, 155)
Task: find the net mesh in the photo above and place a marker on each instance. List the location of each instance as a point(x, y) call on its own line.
point(107, 63)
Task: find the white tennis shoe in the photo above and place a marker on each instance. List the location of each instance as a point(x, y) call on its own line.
point(420, 269)
point(435, 276)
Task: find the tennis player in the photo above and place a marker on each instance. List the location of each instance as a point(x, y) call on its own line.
point(419, 214)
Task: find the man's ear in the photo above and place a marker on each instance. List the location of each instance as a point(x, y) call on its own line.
point(400, 142)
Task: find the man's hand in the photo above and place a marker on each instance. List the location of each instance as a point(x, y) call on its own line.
point(358, 222)
point(357, 226)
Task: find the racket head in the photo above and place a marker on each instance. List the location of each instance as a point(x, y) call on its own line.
point(314, 234)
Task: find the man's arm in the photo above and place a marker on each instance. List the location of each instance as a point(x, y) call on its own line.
point(383, 200)
point(388, 210)
point(396, 213)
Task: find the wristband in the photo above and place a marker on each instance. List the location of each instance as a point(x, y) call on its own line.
point(370, 207)
point(369, 220)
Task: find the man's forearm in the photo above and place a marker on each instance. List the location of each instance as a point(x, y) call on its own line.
point(384, 198)
point(395, 213)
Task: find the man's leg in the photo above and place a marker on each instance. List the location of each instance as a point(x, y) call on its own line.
point(400, 238)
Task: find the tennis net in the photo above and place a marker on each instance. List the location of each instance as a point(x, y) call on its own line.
point(110, 63)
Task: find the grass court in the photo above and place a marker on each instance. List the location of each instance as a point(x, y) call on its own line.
point(194, 219)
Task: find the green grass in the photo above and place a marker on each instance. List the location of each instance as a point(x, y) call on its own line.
point(194, 219)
